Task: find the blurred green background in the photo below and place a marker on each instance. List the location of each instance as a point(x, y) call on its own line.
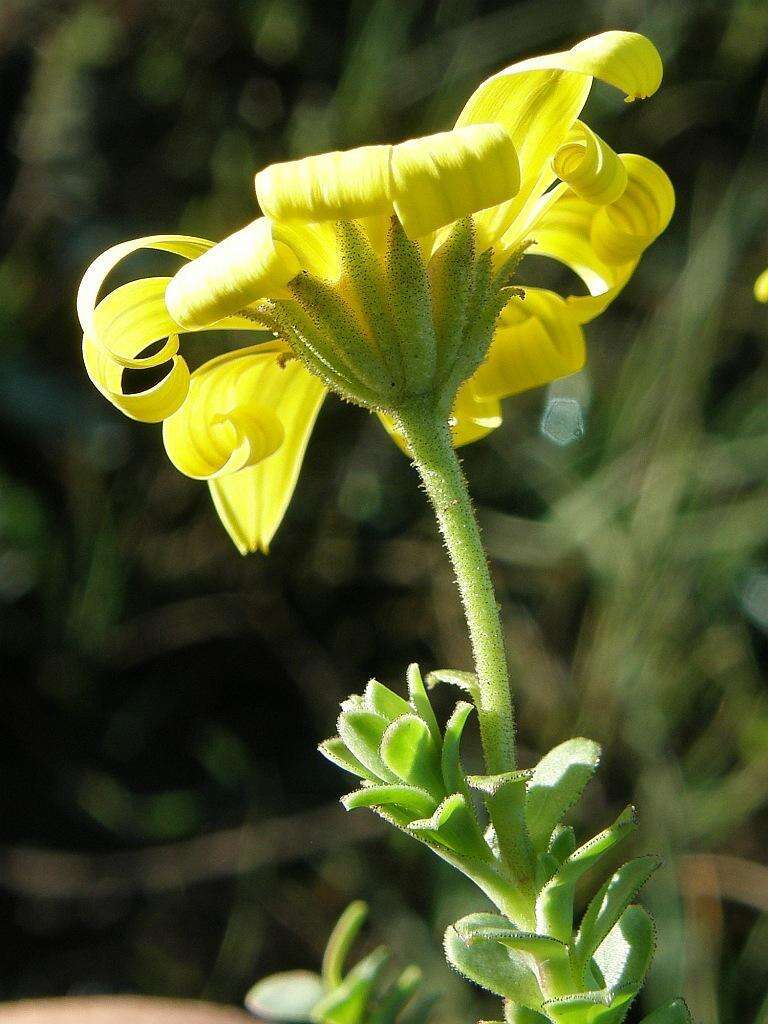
point(167, 825)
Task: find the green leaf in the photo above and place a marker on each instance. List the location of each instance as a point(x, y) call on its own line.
point(410, 752)
point(625, 954)
point(384, 701)
point(490, 965)
point(340, 942)
point(607, 907)
point(362, 732)
point(591, 852)
point(554, 906)
point(556, 784)
point(420, 702)
point(289, 996)
point(466, 681)
point(675, 1012)
point(563, 843)
point(505, 797)
point(336, 751)
point(516, 1014)
point(450, 761)
point(454, 826)
point(347, 1004)
point(589, 1007)
point(389, 1005)
point(409, 798)
point(541, 947)
point(550, 955)
point(491, 784)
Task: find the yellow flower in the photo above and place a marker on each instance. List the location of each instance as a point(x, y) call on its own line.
point(761, 287)
point(383, 272)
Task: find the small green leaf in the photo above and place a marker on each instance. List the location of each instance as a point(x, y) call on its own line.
point(454, 826)
point(591, 852)
point(416, 801)
point(505, 801)
point(336, 751)
point(556, 784)
point(490, 965)
point(554, 906)
point(410, 752)
point(470, 925)
point(420, 702)
point(491, 784)
point(466, 681)
point(541, 947)
point(589, 1007)
point(289, 996)
point(550, 955)
point(625, 954)
point(563, 843)
point(384, 701)
point(675, 1012)
point(607, 907)
point(362, 732)
point(340, 942)
point(516, 1014)
point(347, 1004)
point(450, 761)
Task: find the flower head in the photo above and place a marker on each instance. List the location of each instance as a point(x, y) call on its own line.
point(384, 273)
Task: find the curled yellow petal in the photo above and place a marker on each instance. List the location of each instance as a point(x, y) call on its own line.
point(131, 318)
point(332, 186)
point(98, 272)
point(538, 101)
point(622, 230)
point(761, 287)
point(252, 502)
point(590, 239)
point(428, 182)
point(248, 265)
point(441, 178)
point(538, 340)
point(151, 405)
point(225, 424)
point(590, 167)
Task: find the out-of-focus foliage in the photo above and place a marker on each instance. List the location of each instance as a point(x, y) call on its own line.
point(163, 697)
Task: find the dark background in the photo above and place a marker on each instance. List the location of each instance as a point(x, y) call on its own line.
point(167, 826)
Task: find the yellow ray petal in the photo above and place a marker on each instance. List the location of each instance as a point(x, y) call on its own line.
point(248, 265)
point(149, 406)
point(622, 230)
point(565, 227)
point(538, 101)
point(761, 287)
point(98, 272)
point(244, 427)
point(251, 504)
point(226, 422)
point(537, 341)
point(132, 317)
point(472, 418)
point(440, 178)
point(428, 182)
point(590, 167)
point(332, 186)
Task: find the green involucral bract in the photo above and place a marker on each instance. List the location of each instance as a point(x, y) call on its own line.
point(506, 832)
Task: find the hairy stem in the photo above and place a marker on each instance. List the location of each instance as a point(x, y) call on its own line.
point(429, 439)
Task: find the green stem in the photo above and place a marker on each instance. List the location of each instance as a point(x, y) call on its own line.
point(429, 439)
